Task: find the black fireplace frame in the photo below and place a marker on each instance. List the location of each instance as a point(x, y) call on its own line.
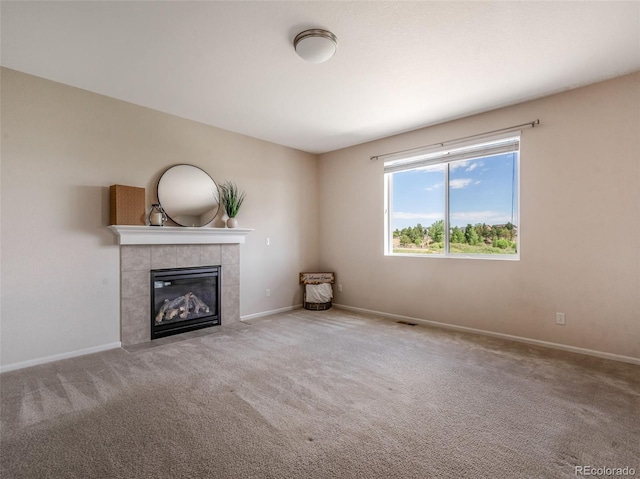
point(214, 319)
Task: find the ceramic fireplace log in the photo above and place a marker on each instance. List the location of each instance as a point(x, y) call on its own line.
point(181, 306)
point(198, 304)
point(163, 308)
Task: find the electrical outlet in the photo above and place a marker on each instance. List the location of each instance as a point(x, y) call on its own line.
point(267, 292)
point(340, 288)
point(268, 241)
point(560, 319)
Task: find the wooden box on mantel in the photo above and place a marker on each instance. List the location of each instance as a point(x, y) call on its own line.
point(127, 205)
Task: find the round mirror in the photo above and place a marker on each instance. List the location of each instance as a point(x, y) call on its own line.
point(188, 195)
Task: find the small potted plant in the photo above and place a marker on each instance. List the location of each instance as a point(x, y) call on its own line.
point(231, 198)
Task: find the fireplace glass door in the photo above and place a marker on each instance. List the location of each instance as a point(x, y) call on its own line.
point(184, 299)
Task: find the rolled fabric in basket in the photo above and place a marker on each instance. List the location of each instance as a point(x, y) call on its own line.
point(318, 293)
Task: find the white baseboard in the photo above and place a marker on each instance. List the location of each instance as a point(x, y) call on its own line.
point(58, 357)
point(106, 347)
point(269, 313)
point(537, 342)
point(520, 339)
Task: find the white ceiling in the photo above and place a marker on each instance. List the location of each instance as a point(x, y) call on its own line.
point(399, 65)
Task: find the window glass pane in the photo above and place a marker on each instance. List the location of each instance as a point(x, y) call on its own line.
point(417, 210)
point(483, 208)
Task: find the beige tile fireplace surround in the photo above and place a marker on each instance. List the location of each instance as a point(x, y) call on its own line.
point(212, 247)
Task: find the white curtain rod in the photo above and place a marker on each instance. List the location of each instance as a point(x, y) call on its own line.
point(532, 124)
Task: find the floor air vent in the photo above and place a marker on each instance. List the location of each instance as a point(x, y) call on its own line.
point(407, 323)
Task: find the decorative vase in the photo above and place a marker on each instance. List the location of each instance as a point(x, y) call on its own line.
point(232, 223)
point(157, 216)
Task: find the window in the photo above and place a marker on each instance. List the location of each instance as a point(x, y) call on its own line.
point(457, 201)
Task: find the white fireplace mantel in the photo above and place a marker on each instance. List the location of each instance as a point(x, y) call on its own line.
point(132, 235)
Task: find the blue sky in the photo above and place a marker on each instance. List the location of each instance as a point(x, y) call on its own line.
point(480, 192)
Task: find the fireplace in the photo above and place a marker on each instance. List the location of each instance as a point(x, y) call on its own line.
point(148, 248)
point(184, 299)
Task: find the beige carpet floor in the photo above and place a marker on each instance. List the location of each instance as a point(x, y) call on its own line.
point(321, 395)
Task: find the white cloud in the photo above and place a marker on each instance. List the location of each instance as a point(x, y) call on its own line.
point(461, 218)
point(458, 164)
point(473, 217)
point(435, 187)
point(404, 215)
point(474, 165)
point(460, 183)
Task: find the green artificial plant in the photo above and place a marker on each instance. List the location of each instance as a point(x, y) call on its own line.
point(231, 198)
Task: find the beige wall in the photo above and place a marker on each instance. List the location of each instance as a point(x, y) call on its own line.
point(61, 149)
point(580, 207)
point(580, 228)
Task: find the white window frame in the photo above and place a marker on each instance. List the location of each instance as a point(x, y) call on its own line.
point(472, 149)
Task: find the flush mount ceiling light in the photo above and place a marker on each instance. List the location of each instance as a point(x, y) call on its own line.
point(315, 46)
